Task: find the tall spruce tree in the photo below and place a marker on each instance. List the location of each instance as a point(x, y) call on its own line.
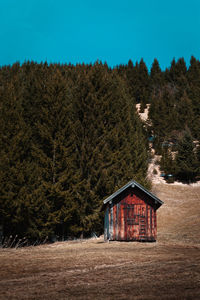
point(144, 87)
point(193, 76)
point(186, 160)
point(156, 78)
point(16, 180)
point(53, 152)
point(110, 139)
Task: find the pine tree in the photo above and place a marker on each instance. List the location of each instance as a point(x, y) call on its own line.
point(144, 88)
point(185, 159)
point(164, 117)
point(185, 112)
point(156, 78)
point(193, 92)
point(130, 72)
point(16, 182)
point(177, 72)
point(53, 151)
point(198, 161)
point(168, 164)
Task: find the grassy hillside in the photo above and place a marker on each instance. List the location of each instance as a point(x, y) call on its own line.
point(92, 269)
point(178, 218)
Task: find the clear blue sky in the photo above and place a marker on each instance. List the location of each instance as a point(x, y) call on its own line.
point(109, 30)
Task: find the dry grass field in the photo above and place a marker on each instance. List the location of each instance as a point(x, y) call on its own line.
point(92, 269)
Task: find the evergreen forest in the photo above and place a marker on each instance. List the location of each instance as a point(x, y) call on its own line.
point(71, 135)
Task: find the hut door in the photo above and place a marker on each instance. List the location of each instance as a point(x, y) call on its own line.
point(131, 221)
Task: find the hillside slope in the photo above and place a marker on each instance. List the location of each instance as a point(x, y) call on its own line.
point(178, 218)
point(92, 269)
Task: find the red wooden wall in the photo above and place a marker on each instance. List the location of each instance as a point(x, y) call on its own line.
point(133, 217)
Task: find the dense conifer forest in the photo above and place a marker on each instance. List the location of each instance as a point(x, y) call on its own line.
point(71, 135)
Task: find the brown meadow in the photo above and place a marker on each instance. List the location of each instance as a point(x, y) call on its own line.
point(92, 269)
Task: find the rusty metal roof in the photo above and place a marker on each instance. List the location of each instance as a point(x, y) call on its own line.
point(133, 184)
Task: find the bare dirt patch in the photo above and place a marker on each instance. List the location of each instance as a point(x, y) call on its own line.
point(144, 115)
point(92, 269)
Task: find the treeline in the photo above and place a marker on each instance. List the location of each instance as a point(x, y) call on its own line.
point(181, 160)
point(174, 95)
point(175, 118)
point(174, 115)
point(70, 136)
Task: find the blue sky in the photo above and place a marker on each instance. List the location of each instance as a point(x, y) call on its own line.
point(108, 30)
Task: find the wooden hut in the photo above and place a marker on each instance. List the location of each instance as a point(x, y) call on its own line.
point(130, 214)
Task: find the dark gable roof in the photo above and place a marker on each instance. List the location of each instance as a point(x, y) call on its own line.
point(133, 184)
